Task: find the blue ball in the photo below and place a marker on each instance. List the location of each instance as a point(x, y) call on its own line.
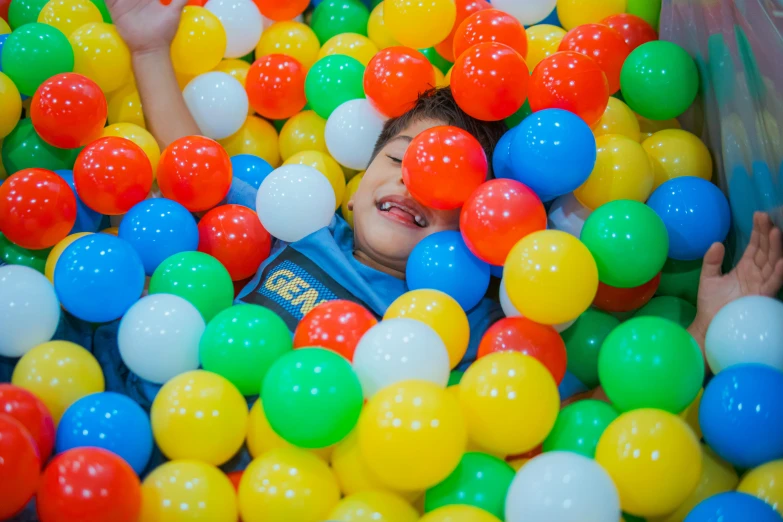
point(442, 261)
point(98, 277)
point(157, 229)
point(3, 38)
point(733, 506)
point(110, 421)
point(87, 220)
point(552, 152)
point(248, 173)
point(696, 215)
point(501, 157)
point(741, 414)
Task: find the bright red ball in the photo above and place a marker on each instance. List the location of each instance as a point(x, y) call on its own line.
point(68, 111)
point(195, 172)
point(634, 30)
point(89, 485)
point(464, 9)
point(234, 236)
point(395, 77)
point(275, 86)
point(19, 466)
point(28, 409)
point(112, 174)
point(604, 45)
point(37, 208)
point(613, 299)
point(490, 81)
point(570, 81)
point(334, 325)
point(519, 334)
point(490, 25)
point(497, 215)
point(279, 10)
point(443, 166)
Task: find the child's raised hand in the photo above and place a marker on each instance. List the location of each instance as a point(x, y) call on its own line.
point(146, 25)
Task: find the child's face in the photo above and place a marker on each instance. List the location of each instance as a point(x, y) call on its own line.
point(388, 222)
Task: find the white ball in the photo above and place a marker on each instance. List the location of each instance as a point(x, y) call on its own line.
point(397, 350)
point(294, 201)
point(158, 337)
point(242, 22)
point(568, 215)
point(528, 12)
point(561, 486)
point(748, 330)
point(510, 311)
point(351, 132)
point(29, 310)
point(218, 103)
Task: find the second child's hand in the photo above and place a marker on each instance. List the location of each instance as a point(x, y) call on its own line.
point(146, 25)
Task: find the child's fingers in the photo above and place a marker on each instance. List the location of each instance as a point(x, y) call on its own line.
point(764, 227)
point(775, 245)
point(753, 244)
point(178, 5)
point(713, 260)
point(772, 285)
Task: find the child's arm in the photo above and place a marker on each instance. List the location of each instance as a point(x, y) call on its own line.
point(148, 27)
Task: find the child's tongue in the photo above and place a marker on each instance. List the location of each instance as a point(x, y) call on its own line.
point(402, 214)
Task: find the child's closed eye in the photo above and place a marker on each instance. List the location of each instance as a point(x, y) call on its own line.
point(393, 159)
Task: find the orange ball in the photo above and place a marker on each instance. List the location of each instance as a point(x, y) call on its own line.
point(490, 25)
point(395, 77)
point(275, 86)
point(278, 10)
point(604, 45)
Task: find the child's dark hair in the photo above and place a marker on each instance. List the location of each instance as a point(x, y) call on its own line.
point(439, 104)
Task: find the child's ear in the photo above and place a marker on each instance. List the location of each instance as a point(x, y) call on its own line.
point(350, 204)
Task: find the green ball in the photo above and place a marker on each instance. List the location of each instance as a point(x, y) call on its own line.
point(312, 397)
point(651, 362)
point(21, 12)
point(522, 113)
point(671, 308)
point(101, 5)
point(455, 377)
point(333, 17)
point(579, 426)
point(196, 277)
point(681, 279)
point(241, 343)
point(659, 80)
point(34, 53)
point(628, 241)
point(13, 254)
point(436, 59)
point(649, 10)
point(583, 341)
point(332, 81)
point(480, 480)
point(23, 148)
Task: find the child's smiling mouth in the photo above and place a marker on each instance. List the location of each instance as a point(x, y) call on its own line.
point(402, 210)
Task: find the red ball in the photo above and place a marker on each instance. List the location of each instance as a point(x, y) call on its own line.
point(334, 325)
point(68, 111)
point(28, 409)
point(275, 86)
point(37, 208)
point(497, 215)
point(519, 334)
point(613, 299)
point(112, 174)
point(19, 466)
point(489, 81)
point(604, 45)
point(464, 9)
point(570, 81)
point(395, 77)
point(634, 30)
point(443, 166)
point(234, 236)
point(279, 10)
point(490, 25)
point(195, 172)
point(88, 485)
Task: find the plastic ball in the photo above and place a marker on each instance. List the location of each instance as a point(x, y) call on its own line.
point(276, 86)
point(528, 13)
point(327, 166)
point(490, 81)
point(604, 45)
point(56, 252)
point(333, 17)
point(291, 38)
point(634, 30)
point(763, 482)
point(217, 102)
point(101, 55)
point(351, 132)
point(32, 413)
point(490, 25)
point(304, 131)
point(374, 505)
point(377, 31)
point(583, 341)
point(257, 137)
point(125, 106)
point(248, 172)
point(10, 105)
point(573, 13)
point(394, 79)
point(356, 46)
point(242, 24)
point(464, 9)
point(350, 189)
point(649, 127)
point(12, 254)
point(542, 41)
point(614, 299)
point(335, 325)
point(567, 215)
point(24, 149)
point(571, 81)
point(235, 237)
point(618, 118)
point(69, 15)
point(332, 81)
point(200, 42)
point(20, 465)
point(459, 513)
point(733, 506)
point(579, 427)
point(419, 25)
point(138, 135)
point(674, 153)
point(261, 438)
point(669, 307)
point(34, 53)
point(281, 9)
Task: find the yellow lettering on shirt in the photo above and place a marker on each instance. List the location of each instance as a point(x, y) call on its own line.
point(278, 279)
point(294, 286)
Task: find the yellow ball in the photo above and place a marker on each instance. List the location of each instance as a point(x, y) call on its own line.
point(10, 105)
point(3, 173)
point(510, 402)
point(256, 136)
point(653, 458)
point(187, 490)
point(303, 131)
point(551, 277)
point(618, 118)
point(650, 127)
point(674, 153)
point(349, 44)
point(373, 506)
point(101, 55)
point(622, 171)
point(459, 513)
point(59, 373)
point(542, 41)
point(199, 415)
point(124, 106)
point(377, 30)
point(440, 79)
point(56, 252)
point(448, 75)
point(326, 165)
point(350, 190)
point(69, 15)
point(412, 435)
point(291, 38)
point(138, 135)
point(691, 415)
point(262, 438)
point(237, 69)
point(440, 312)
point(200, 42)
point(287, 484)
point(577, 12)
point(352, 473)
point(114, 231)
point(419, 24)
point(4, 27)
point(765, 482)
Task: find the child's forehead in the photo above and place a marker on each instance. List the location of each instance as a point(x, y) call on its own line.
point(416, 127)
